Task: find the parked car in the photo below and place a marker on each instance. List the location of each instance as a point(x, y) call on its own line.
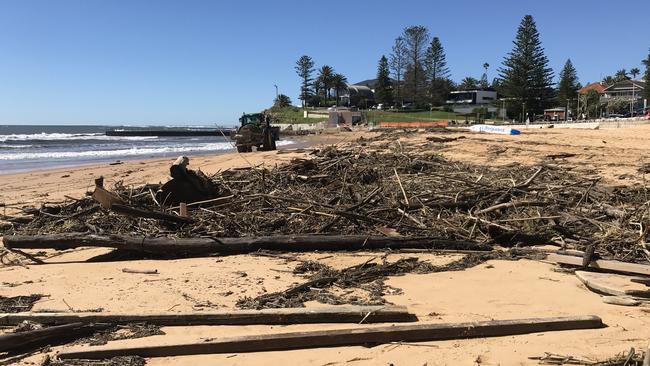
point(615, 115)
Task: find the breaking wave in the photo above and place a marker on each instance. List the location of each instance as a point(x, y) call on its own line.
point(15, 146)
point(70, 136)
point(134, 151)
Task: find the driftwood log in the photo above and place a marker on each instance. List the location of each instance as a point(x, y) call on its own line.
point(199, 246)
point(46, 336)
point(346, 337)
point(331, 314)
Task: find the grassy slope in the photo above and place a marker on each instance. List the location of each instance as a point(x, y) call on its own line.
point(386, 116)
point(295, 115)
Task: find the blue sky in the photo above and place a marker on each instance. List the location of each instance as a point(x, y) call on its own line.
point(206, 62)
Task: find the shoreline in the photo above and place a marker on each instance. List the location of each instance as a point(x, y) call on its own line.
point(62, 163)
point(35, 187)
point(54, 185)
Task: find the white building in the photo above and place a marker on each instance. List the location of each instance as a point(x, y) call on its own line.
point(465, 101)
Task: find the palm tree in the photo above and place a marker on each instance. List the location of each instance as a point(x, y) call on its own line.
point(468, 83)
point(282, 101)
point(319, 89)
point(621, 75)
point(339, 82)
point(325, 78)
point(608, 80)
point(634, 72)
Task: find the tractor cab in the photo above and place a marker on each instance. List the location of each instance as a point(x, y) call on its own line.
point(252, 118)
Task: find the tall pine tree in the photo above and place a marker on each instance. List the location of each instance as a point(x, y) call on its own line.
point(415, 39)
point(305, 69)
point(567, 88)
point(525, 73)
point(398, 67)
point(383, 90)
point(435, 62)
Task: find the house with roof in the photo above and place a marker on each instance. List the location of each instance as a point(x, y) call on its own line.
point(626, 91)
point(555, 114)
point(598, 87)
point(466, 101)
point(360, 94)
point(622, 96)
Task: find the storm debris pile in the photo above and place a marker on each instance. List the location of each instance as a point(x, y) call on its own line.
point(387, 190)
point(121, 332)
point(18, 304)
point(115, 361)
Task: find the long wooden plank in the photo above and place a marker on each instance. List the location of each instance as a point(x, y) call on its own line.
point(195, 246)
point(346, 337)
point(608, 265)
point(331, 314)
point(612, 284)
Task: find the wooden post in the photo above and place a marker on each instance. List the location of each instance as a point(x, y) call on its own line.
point(183, 209)
point(345, 337)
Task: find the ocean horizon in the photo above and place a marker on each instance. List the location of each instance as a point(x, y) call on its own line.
point(37, 147)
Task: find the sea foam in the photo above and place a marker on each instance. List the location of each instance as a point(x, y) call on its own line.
point(134, 151)
point(71, 136)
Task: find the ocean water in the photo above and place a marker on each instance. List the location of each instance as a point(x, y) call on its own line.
point(26, 148)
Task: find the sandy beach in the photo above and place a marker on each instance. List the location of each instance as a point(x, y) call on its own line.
point(493, 290)
point(614, 154)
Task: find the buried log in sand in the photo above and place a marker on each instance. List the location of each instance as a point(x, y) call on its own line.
point(346, 337)
point(332, 314)
point(198, 246)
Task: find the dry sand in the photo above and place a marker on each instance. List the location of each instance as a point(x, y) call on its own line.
point(614, 154)
point(493, 290)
